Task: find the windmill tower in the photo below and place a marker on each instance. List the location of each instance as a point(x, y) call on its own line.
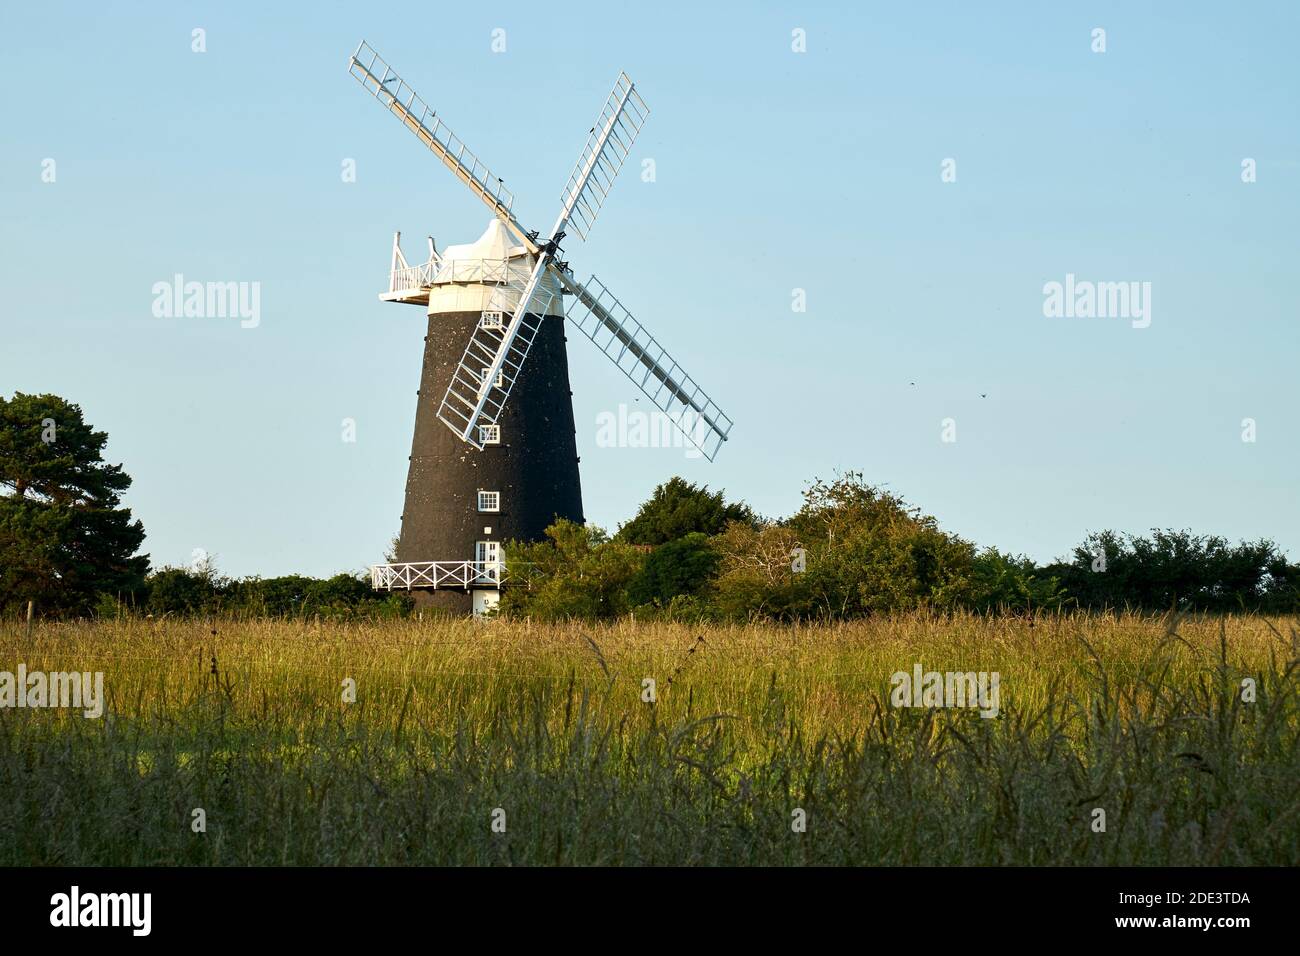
point(494, 455)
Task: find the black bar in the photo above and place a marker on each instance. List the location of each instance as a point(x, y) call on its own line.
point(933, 908)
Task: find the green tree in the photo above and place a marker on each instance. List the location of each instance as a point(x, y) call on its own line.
point(684, 566)
point(678, 508)
point(183, 591)
point(64, 535)
point(870, 551)
point(1004, 582)
point(578, 572)
point(200, 590)
point(1172, 568)
point(755, 578)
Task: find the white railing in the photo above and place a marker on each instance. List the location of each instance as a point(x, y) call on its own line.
point(429, 273)
point(403, 279)
point(437, 574)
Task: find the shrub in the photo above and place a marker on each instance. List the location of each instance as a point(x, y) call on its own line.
point(869, 551)
point(684, 567)
point(185, 591)
point(181, 591)
point(1002, 582)
point(577, 572)
point(754, 577)
point(1178, 569)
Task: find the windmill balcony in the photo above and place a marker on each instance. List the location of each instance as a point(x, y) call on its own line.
point(461, 575)
point(412, 283)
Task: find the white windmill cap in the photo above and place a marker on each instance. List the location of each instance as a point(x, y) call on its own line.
point(495, 243)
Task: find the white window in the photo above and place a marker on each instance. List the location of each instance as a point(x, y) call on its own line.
point(489, 501)
point(489, 434)
point(501, 377)
point(492, 320)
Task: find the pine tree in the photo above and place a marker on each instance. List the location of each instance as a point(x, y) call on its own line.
point(64, 535)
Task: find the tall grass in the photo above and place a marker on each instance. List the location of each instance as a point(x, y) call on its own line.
point(453, 720)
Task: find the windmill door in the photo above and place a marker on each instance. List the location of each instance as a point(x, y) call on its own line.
point(488, 556)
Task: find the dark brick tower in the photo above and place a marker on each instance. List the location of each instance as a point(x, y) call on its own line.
point(462, 504)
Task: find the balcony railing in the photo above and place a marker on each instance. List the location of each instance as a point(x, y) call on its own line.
point(426, 275)
point(409, 278)
point(443, 574)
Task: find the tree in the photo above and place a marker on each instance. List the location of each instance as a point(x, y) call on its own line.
point(870, 551)
point(684, 566)
point(182, 591)
point(755, 576)
point(64, 536)
point(295, 595)
point(1177, 569)
point(1005, 582)
point(578, 572)
point(678, 508)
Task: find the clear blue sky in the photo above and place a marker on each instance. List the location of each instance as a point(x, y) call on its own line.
point(775, 171)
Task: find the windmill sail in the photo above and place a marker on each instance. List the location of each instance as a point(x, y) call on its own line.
point(381, 81)
point(608, 145)
point(610, 141)
point(603, 319)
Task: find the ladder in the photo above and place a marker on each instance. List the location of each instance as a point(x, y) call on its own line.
point(471, 381)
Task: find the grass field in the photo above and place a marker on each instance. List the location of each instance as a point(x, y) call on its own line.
point(458, 724)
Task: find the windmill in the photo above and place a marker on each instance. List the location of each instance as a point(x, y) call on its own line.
point(505, 465)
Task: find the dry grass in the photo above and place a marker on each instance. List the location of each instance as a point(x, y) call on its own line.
point(1140, 716)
